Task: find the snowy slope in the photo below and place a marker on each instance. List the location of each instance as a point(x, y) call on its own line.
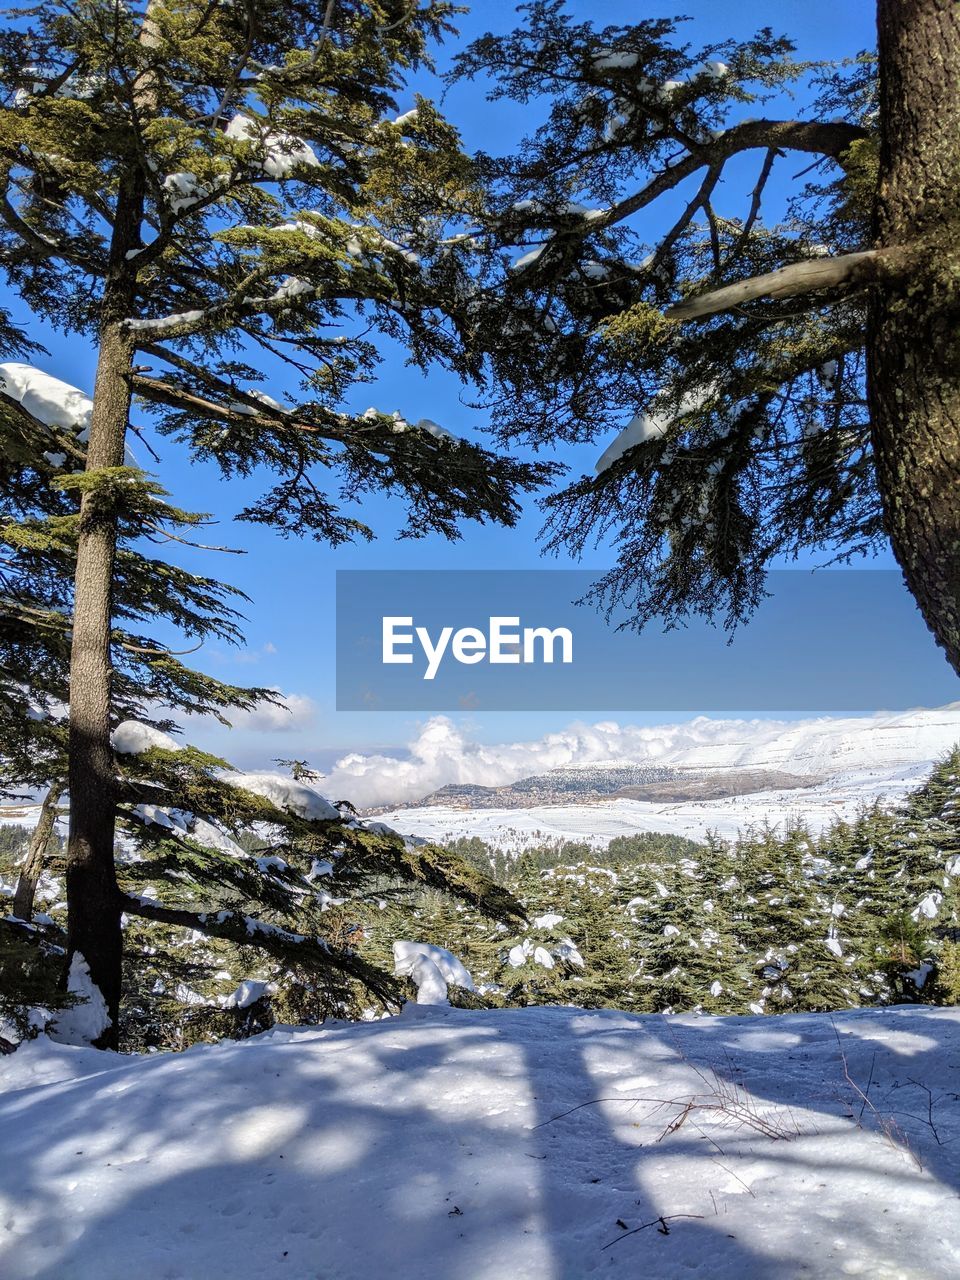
point(598, 823)
point(850, 761)
point(435, 1145)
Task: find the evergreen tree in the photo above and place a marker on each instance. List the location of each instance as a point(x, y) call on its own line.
point(690, 959)
point(794, 382)
point(219, 190)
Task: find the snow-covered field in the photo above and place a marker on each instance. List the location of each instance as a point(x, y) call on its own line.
point(598, 823)
point(444, 1143)
point(853, 761)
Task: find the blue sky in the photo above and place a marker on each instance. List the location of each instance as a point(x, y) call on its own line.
point(290, 628)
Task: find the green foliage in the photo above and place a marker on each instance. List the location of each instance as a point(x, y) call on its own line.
point(647, 183)
point(778, 920)
point(31, 963)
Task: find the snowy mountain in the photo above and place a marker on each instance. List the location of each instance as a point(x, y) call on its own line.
point(543, 1144)
point(846, 762)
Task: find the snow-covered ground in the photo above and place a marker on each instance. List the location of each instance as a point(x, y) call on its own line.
point(453, 1144)
point(851, 762)
point(598, 823)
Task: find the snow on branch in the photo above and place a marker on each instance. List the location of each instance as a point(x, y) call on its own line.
point(810, 276)
point(430, 968)
point(285, 793)
point(51, 403)
point(133, 737)
point(294, 948)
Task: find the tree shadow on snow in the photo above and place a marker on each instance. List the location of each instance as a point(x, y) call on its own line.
point(431, 1145)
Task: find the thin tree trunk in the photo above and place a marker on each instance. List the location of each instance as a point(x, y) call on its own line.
point(913, 344)
point(23, 898)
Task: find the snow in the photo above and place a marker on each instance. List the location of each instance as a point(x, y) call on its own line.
point(434, 429)
point(84, 1021)
point(249, 992)
point(928, 907)
point(237, 406)
point(285, 793)
point(293, 287)
point(212, 837)
point(55, 403)
point(51, 401)
point(131, 738)
point(641, 428)
point(598, 822)
point(527, 259)
point(183, 191)
point(407, 117)
point(443, 1143)
point(611, 61)
point(283, 153)
point(549, 921)
point(157, 816)
point(568, 951)
point(650, 426)
point(429, 965)
point(160, 324)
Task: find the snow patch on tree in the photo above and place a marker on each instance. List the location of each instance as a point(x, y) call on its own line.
point(430, 968)
point(51, 401)
point(282, 152)
point(86, 1021)
point(247, 993)
point(132, 737)
point(285, 793)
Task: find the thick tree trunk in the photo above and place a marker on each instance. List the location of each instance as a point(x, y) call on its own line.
point(94, 904)
point(93, 897)
point(913, 346)
point(26, 891)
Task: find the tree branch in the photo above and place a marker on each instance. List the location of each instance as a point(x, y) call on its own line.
point(809, 276)
point(787, 135)
point(294, 948)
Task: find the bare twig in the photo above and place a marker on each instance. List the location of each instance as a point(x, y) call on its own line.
point(660, 1223)
point(888, 1126)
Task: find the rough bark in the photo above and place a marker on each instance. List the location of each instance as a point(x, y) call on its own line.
point(94, 901)
point(23, 898)
point(93, 897)
point(913, 341)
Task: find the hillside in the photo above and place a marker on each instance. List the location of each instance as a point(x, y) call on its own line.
point(456, 1144)
point(705, 775)
point(591, 783)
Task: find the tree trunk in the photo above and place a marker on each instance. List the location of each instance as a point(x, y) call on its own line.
point(93, 897)
point(33, 864)
point(913, 341)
